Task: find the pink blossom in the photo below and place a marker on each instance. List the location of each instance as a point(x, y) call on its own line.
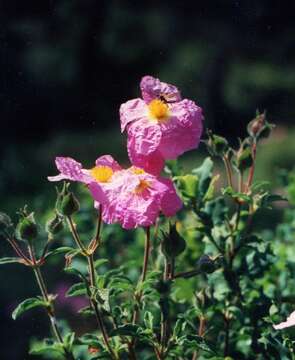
point(130, 197)
point(136, 198)
point(289, 322)
point(160, 126)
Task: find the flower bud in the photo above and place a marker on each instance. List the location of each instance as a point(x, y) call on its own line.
point(54, 225)
point(206, 265)
point(217, 145)
point(69, 204)
point(244, 159)
point(259, 127)
point(172, 243)
point(66, 203)
point(27, 228)
point(5, 222)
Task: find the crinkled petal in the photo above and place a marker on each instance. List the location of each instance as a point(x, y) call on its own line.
point(108, 160)
point(170, 202)
point(290, 322)
point(182, 131)
point(152, 163)
point(131, 111)
point(98, 193)
point(145, 136)
point(152, 88)
point(70, 169)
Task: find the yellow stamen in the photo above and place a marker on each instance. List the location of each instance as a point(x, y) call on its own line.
point(101, 173)
point(143, 185)
point(158, 110)
point(137, 171)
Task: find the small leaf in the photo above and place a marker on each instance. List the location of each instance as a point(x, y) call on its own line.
point(27, 305)
point(60, 250)
point(77, 290)
point(69, 340)
point(100, 262)
point(125, 330)
point(149, 320)
point(52, 351)
point(10, 260)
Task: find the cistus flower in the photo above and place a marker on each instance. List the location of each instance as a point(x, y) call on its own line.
point(130, 197)
point(160, 126)
point(135, 198)
point(289, 322)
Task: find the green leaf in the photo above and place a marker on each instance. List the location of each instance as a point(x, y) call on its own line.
point(10, 260)
point(204, 174)
point(77, 290)
point(86, 311)
point(188, 185)
point(100, 262)
point(149, 320)
point(69, 340)
point(90, 340)
point(50, 351)
point(125, 330)
point(60, 250)
point(27, 305)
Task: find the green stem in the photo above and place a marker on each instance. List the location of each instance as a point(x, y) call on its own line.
point(228, 170)
point(96, 309)
point(50, 307)
point(75, 234)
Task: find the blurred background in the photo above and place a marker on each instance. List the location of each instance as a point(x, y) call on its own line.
point(67, 65)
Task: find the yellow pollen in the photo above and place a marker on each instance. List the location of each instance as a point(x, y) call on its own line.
point(101, 173)
point(158, 109)
point(143, 184)
point(137, 170)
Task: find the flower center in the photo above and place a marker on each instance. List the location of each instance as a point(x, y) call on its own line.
point(143, 185)
point(101, 173)
point(137, 171)
point(158, 109)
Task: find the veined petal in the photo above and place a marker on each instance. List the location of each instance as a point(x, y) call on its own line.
point(152, 88)
point(289, 322)
point(70, 169)
point(152, 163)
point(131, 111)
point(146, 136)
point(108, 160)
point(182, 132)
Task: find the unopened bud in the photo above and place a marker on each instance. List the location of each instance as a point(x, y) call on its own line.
point(173, 244)
point(66, 203)
point(26, 228)
point(217, 145)
point(54, 225)
point(69, 204)
point(206, 264)
point(259, 127)
point(244, 159)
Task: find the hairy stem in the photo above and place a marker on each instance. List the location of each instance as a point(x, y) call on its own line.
point(94, 305)
point(50, 307)
point(228, 170)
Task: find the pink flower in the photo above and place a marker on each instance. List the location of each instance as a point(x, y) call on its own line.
point(70, 169)
point(130, 197)
point(290, 322)
point(160, 126)
point(135, 198)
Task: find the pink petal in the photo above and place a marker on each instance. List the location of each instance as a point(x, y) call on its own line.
point(170, 202)
point(108, 160)
point(152, 163)
point(132, 110)
point(145, 135)
point(69, 169)
point(152, 88)
point(182, 132)
point(290, 322)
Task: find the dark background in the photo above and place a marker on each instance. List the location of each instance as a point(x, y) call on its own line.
point(66, 66)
